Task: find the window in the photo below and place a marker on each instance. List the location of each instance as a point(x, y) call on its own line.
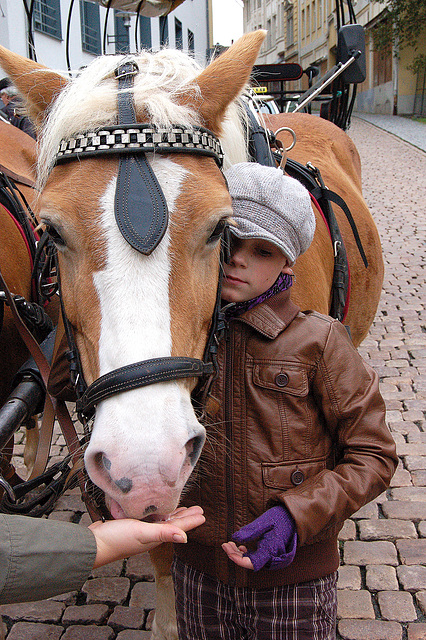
point(290, 37)
point(47, 17)
point(178, 34)
point(382, 67)
point(281, 19)
point(122, 36)
point(90, 27)
point(191, 42)
point(164, 31)
point(145, 32)
point(269, 35)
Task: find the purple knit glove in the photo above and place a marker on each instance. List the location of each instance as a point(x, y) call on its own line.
point(276, 531)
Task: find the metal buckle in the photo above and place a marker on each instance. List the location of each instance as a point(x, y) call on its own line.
point(128, 68)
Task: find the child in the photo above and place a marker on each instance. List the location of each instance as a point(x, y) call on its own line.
point(297, 444)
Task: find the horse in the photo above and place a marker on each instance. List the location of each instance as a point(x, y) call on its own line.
point(124, 305)
point(17, 159)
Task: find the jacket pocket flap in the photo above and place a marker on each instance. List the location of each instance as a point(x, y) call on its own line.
point(291, 474)
point(281, 377)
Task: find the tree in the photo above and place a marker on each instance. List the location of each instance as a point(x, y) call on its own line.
point(404, 24)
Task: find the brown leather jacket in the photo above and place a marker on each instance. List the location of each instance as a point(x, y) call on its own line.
point(298, 419)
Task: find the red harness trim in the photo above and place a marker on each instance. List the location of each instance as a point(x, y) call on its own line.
point(24, 238)
point(21, 231)
point(348, 295)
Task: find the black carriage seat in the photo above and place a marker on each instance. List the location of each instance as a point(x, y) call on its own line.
point(272, 78)
point(282, 71)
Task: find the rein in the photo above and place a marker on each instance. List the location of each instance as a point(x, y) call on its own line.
point(142, 216)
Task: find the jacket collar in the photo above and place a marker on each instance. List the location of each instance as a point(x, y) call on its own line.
point(272, 316)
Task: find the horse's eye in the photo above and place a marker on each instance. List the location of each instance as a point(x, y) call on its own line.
point(55, 235)
point(217, 231)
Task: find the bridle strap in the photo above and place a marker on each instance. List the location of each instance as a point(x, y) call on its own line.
point(140, 207)
point(141, 374)
point(124, 139)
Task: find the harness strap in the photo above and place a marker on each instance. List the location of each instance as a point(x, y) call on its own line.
point(53, 407)
point(323, 192)
point(55, 480)
point(43, 365)
point(311, 178)
point(259, 147)
point(141, 374)
point(16, 177)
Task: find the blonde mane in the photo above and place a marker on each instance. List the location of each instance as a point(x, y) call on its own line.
point(90, 101)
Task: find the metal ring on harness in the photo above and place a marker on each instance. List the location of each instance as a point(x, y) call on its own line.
point(286, 149)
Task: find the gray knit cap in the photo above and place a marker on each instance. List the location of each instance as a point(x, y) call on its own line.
point(270, 205)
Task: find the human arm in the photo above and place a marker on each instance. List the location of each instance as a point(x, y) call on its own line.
point(40, 558)
point(117, 539)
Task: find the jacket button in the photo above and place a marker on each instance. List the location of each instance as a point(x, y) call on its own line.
point(281, 380)
point(297, 477)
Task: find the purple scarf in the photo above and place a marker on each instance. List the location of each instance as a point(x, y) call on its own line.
point(282, 283)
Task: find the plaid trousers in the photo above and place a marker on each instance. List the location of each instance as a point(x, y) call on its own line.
point(211, 610)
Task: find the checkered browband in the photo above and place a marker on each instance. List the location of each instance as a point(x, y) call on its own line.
point(141, 137)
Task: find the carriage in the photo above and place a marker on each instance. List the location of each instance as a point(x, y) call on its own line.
point(134, 214)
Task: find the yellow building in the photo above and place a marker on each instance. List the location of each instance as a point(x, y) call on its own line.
point(305, 31)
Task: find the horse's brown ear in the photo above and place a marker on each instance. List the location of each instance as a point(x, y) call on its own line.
point(38, 85)
point(225, 78)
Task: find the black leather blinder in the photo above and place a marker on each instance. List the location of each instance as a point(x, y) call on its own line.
point(141, 209)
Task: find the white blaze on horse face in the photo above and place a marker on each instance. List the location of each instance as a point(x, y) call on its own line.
point(145, 441)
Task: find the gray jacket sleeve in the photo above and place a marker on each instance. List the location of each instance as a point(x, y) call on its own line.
point(41, 558)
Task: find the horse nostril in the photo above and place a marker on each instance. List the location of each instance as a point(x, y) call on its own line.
point(193, 448)
point(98, 463)
point(149, 510)
point(106, 462)
point(124, 484)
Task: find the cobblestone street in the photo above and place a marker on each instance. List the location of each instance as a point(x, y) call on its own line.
point(382, 579)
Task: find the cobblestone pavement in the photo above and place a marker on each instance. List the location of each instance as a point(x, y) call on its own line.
point(409, 129)
point(382, 579)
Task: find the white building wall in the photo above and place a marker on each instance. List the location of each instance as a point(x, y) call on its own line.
point(52, 52)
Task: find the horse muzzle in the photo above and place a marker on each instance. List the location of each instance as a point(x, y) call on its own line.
point(143, 465)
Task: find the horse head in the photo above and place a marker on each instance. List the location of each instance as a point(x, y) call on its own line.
point(124, 305)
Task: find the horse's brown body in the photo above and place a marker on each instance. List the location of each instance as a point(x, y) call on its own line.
point(17, 157)
point(333, 152)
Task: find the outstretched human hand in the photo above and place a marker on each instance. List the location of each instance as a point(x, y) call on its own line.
point(118, 539)
point(275, 531)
